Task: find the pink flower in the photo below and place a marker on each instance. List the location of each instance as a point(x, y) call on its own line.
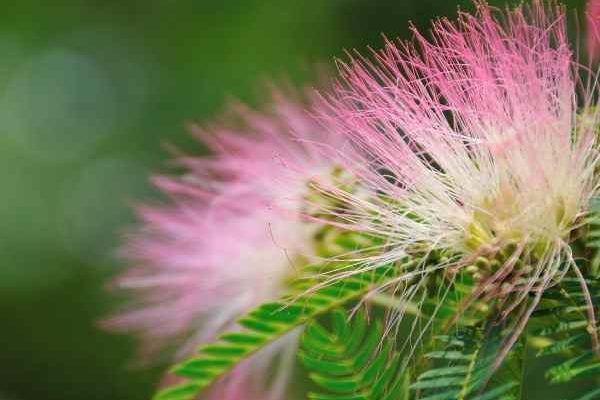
point(593, 28)
point(229, 238)
point(471, 144)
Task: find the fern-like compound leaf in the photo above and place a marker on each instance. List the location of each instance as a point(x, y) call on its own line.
point(266, 324)
point(592, 236)
point(565, 330)
point(352, 360)
point(464, 368)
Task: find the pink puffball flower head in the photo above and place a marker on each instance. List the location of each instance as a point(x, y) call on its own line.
point(229, 238)
point(471, 143)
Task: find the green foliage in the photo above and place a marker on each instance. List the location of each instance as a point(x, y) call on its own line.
point(564, 329)
point(592, 236)
point(466, 368)
point(352, 360)
point(266, 324)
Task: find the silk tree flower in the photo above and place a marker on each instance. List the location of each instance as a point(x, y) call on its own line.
point(593, 29)
point(230, 237)
point(471, 145)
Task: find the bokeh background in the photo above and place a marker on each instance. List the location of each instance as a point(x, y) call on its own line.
point(90, 91)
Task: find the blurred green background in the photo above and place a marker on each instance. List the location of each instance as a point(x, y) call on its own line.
point(89, 93)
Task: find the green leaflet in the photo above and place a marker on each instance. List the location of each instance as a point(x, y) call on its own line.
point(465, 368)
point(267, 323)
point(592, 236)
point(352, 361)
point(564, 329)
